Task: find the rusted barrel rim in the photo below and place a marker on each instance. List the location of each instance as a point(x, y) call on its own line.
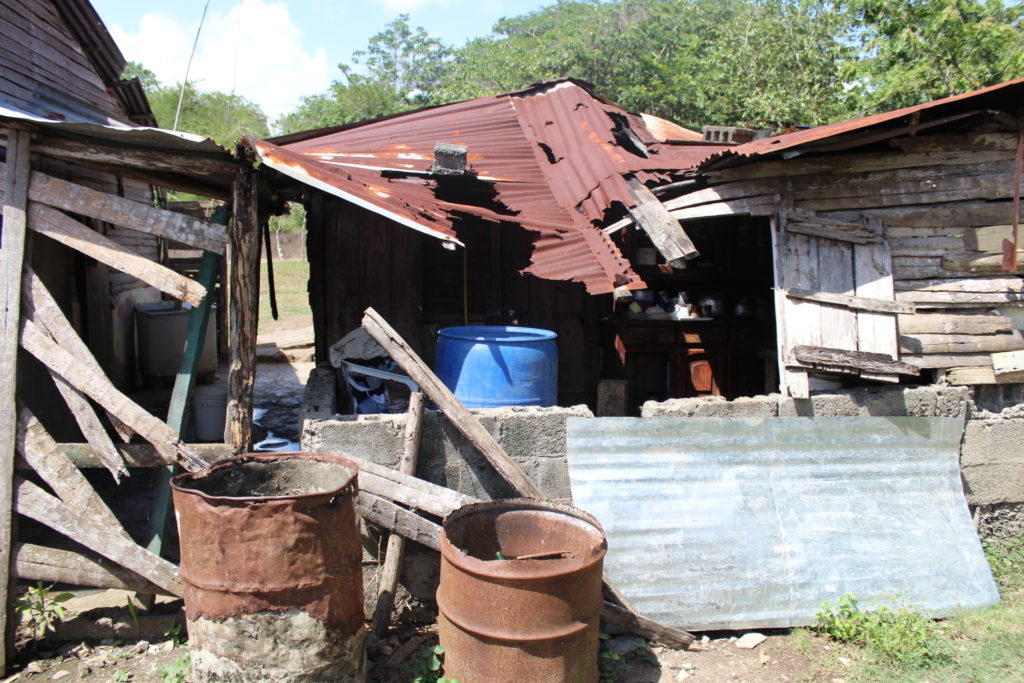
point(507, 569)
point(181, 482)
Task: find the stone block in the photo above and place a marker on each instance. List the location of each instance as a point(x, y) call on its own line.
point(994, 483)
point(993, 441)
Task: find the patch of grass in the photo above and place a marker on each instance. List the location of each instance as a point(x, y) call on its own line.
point(177, 672)
point(290, 282)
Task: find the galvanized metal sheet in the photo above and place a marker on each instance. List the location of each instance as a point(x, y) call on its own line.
point(734, 523)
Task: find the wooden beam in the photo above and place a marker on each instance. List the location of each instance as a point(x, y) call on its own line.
point(12, 256)
point(665, 232)
point(398, 520)
point(34, 502)
point(50, 565)
point(97, 387)
point(857, 303)
point(954, 323)
point(124, 212)
point(244, 314)
point(445, 400)
point(857, 235)
point(962, 343)
point(408, 490)
point(79, 151)
point(69, 232)
point(978, 262)
point(966, 376)
point(389, 571)
point(83, 455)
point(816, 356)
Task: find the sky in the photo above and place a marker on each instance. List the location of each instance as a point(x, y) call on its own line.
point(273, 52)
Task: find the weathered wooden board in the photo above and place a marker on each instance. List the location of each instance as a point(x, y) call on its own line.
point(962, 343)
point(244, 305)
point(1007, 363)
point(947, 360)
point(856, 303)
point(954, 323)
point(966, 376)
point(666, 234)
point(974, 285)
point(877, 363)
point(50, 565)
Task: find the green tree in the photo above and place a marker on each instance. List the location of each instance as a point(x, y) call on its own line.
point(918, 50)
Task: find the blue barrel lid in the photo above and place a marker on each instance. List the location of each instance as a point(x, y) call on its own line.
point(497, 333)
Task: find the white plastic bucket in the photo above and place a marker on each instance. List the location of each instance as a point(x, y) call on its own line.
point(210, 406)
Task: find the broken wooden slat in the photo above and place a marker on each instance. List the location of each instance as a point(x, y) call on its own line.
point(97, 387)
point(244, 313)
point(69, 232)
point(1007, 363)
point(841, 234)
point(41, 452)
point(857, 303)
point(12, 256)
point(396, 544)
point(50, 565)
point(856, 360)
point(34, 502)
point(40, 306)
point(124, 212)
point(445, 400)
point(966, 376)
point(665, 232)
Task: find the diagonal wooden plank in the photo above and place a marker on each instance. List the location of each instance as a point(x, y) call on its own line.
point(665, 232)
point(91, 427)
point(69, 232)
point(12, 256)
point(97, 387)
point(124, 212)
point(48, 460)
point(34, 502)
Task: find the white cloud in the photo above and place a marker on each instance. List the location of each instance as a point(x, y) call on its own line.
point(253, 50)
point(407, 6)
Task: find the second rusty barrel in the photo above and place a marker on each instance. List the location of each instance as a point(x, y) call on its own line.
point(271, 561)
point(520, 592)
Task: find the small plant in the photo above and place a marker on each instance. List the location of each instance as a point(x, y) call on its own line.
point(176, 632)
point(610, 666)
point(177, 672)
point(430, 666)
point(122, 676)
point(133, 611)
point(900, 636)
point(42, 607)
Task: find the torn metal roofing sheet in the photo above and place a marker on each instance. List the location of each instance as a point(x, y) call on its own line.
point(734, 523)
point(995, 97)
point(551, 159)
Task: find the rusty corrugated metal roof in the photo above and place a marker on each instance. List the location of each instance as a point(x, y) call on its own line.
point(551, 158)
point(994, 97)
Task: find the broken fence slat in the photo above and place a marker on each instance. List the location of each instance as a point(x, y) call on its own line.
point(50, 565)
point(445, 400)
point(857, 303)
point(855, 360)
point(69, 232)
point(34, 502)
point(91, 427)
point(97, 387)
point(397, 519)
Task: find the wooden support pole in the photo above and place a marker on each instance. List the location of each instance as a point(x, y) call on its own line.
point(244, 315)
point(445, 400)
point(396, 544)
point(12, 256)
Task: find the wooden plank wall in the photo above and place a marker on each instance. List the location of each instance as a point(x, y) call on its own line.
point(945, 202)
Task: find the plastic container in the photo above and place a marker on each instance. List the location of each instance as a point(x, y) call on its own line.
point(271, 565)
point(209, 408)
point(520, 592)
point(160, 330)
point(492, 366)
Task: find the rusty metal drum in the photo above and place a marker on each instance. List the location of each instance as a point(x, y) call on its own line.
point(520, 592)
point(271, 561)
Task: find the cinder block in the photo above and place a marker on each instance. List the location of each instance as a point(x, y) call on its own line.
point(993, 441)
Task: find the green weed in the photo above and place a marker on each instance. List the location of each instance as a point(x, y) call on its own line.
point(176, 632)
point(901, 636)
point(431, 666)
point(177, 672)
point(42, 607)
point(121, 676)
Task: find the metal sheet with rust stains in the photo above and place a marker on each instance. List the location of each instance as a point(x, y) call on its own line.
point(243, 554)
point(537, 612)
point(553, 155)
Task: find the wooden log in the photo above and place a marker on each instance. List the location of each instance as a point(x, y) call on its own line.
point(12, 257)
point(69, 232)
point(41, 452)
point(408, 490)
point(41, 307)
point(445, 400)
point(857, 303)
point(398, 520)
point(34, 502)
point(857, 360)
point(675, 638)
point(124, 212)
point(396, 545)
point(666, 234)
point(50, 565)
point(97, 387)
point(1007, 363)
point(961, 343)
point(966, 376)
point(953, 323)
point(244, 303)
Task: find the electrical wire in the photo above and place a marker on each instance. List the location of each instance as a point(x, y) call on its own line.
point(184, 83)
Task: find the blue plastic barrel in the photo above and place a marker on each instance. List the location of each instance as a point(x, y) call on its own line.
point(491, 366)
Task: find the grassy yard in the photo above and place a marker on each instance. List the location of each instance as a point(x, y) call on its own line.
point(290, 278)
point(983, 646)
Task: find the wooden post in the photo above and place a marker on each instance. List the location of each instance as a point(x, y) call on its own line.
point(396, 544)
point(245, 263)
point(12, 257)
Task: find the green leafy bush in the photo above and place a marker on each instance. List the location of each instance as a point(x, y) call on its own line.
point(900, 636)
point(42, 607)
